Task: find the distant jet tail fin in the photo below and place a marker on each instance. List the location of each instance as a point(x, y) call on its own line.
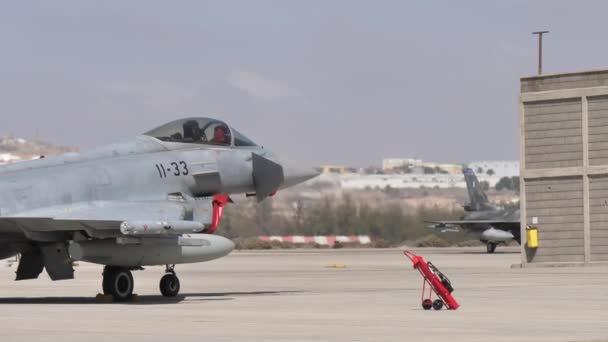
point(477, 197)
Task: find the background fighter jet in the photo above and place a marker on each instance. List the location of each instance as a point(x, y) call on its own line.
point(490, 223)
point(155, 200)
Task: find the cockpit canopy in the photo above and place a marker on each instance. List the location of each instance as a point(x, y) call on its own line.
point(200, 131)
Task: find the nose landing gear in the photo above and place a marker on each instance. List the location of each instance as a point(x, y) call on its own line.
point(169, 283)
point(491, 247)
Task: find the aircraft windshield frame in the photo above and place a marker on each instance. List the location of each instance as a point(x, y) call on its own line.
point(206, 131)
point(240, 140)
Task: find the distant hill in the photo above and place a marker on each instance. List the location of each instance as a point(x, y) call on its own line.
point(17, 149)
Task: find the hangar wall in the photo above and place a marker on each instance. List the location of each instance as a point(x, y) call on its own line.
point(564, 167)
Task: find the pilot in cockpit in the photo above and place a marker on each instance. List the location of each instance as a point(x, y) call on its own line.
point(192, 131)
point(221, 135)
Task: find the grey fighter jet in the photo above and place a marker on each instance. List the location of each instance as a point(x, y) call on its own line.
point(154, 200)
point(489, 223)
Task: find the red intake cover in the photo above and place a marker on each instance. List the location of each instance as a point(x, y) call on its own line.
point(219, 202)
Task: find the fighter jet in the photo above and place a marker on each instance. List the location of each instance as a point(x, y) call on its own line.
point(154, 200)
point(488, 222)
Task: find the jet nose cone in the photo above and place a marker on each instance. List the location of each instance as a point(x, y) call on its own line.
point(295, 173)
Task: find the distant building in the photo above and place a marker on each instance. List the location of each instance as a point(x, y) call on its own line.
point(397, 163)
point(454, 169)
point(500, 168)
point(338, 169)
point(409, 181)
point(411, 173)
point(418, 165)
point(451, 168)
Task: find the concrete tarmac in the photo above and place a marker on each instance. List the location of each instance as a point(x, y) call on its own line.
point(289, 295)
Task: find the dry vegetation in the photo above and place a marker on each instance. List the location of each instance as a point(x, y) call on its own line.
point(391, 219)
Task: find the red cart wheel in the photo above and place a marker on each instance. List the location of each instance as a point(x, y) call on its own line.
point(427, 304)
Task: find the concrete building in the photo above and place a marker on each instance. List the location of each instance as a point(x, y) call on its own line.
point(402, 181)
point(453, 169)
point(395, 163)
point(500, 168)
point(418, 165)
point(406, 181)
point(339, 169)
point(564, 166)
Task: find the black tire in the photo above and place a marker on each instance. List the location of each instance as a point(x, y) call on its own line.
point(427, 304)
point(119, 283)
point(105, 284)
point(438, 304)
point(490, 247)
point(169, 285)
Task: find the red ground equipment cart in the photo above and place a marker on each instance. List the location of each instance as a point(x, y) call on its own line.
point(437, 282)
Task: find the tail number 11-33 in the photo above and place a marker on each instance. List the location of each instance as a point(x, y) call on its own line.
point(175, 168)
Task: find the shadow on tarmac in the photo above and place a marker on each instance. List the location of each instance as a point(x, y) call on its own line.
point(143, 300)
point(485, 252)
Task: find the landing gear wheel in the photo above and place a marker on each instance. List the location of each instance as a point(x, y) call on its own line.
point(438, 304)
point(491, 247)
point(169, 283)
point(118, 282)
point(105, 286)
point(427, 304)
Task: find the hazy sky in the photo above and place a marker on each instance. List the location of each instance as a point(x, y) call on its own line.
point(319, 81)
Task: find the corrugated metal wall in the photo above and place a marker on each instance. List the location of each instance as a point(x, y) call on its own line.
point(557, 205)
point(598, 130)
point(598, 203)
point(553, 134)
